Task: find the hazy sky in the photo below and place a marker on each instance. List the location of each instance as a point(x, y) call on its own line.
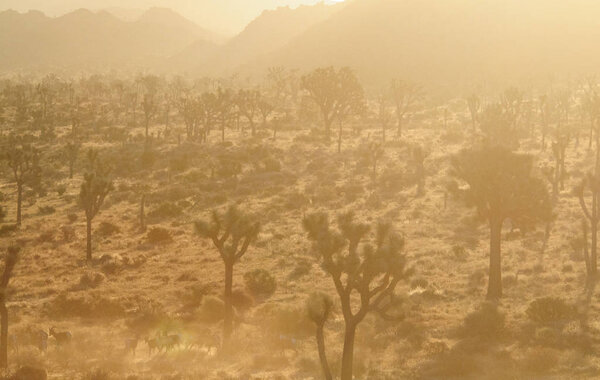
point(224, 16)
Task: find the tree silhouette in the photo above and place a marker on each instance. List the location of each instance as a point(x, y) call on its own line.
point(232, 233)
point(501, 186)
point(93, 192)
point(23, 159)
point(337, 94)
point(405, 96)
point(248, 102)
point(370, 270)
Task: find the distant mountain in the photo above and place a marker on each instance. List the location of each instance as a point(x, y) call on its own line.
point(272, 30)
point(450, 41)
point(84, 40)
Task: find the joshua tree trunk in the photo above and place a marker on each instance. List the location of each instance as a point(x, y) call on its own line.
point(89, 239)
point(495, 277)
point(348, 354)
point(399, 126)
point(228, 316)
point(19, 202)
point(322, 353)
point(3, 336)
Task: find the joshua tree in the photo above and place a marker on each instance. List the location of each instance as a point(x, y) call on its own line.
point(248, 102)
point(373, 153)
point(498, 126)
point(365, 275)
point(383, 114)
point(231, 233)
point(474, 104)
point(592, 213)
point(318, 306)
point(71, 153)
point(501, 186)
point(10, 260)
point(94, 189)
point(224, 109)
point(336, 94)
point(23, 159)
point(405, 96)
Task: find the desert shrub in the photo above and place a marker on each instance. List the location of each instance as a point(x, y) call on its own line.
point(90, 281)
point(68, 233)
point(302, 268)
point(46, 210)
point(2, 213)
point(46, 237)
point(7, 229)
point(550, 310)
point(159, 235)
point(459, 252)
point(487, 322)
point(241, 300)
point(165, 210)
point(72, 217)
point(82, 305)
point(106, 229)
point(60, 190)
point(260, 282)
point(212, 309)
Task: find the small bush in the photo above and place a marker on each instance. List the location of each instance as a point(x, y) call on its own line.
point(7, 229)
point(2, 213)
point(106, 229)
point(46, 210)
point(550, 310)
point(159, 235)
point(260, 283)
point(487, 322)
point(165, 210)
point(72, 217)
point(60, 190)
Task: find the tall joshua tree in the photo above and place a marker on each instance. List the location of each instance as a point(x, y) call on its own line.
point(365, 274)
point(10, 260)
point(405, 96)
point(337, 93)
point(501, 186)
point(93, 192)
point(318, 307)
point(231, 233)
point(23, 159)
